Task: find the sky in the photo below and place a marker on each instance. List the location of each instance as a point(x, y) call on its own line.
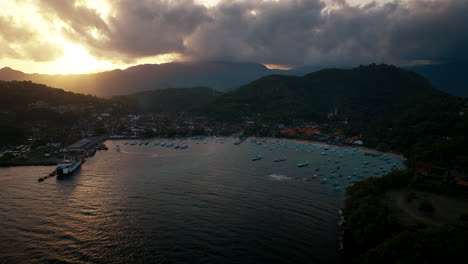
point(82, 36)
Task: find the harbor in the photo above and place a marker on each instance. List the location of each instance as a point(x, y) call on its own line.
point(50, 155)
point(213, 181)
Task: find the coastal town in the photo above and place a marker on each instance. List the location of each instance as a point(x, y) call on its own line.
point(46, 145)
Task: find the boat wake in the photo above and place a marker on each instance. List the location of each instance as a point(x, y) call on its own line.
point(279, 177)
point(127, 152)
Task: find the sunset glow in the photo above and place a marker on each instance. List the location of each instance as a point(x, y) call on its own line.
point(83, 36)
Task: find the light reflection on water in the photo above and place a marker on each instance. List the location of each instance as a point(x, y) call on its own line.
point(205, 204)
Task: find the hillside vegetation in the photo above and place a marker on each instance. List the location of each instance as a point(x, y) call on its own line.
point(170, 100)
point(391, 108)
point(22, 93)
point(360, 93)
point(18, 115)
point(375, 234)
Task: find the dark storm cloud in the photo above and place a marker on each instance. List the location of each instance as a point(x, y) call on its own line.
point(19, 41)
point(294, 32)
point(258, 31)
point(303, 32)
point(431, 30)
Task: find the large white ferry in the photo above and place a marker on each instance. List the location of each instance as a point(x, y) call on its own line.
point(67, 167)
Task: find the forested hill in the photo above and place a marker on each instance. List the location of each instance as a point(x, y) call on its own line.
point(24, 105)
point(18, 94)
point(168, 100)
point(360, 93)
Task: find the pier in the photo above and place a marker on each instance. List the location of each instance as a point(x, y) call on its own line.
point(86, 144)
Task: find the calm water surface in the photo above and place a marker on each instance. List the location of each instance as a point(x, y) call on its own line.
point(207, 204)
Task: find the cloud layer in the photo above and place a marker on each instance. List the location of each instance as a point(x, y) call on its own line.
point(19, 41)
point(287, 32)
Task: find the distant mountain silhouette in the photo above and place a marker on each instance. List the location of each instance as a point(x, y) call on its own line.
point(223, 76)
point(220, 75)
point(448, 77)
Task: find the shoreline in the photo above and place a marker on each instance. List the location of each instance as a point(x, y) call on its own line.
point(363, 149)
point(28, 163)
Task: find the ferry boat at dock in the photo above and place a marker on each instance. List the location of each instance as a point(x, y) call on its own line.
point(67, 167)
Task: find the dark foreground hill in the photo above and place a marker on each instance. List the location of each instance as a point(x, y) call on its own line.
point(171, 100)
point(27, 108)
point(19, 94)
point(364, 92)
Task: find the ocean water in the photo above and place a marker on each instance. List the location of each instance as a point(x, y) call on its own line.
point(206, 204)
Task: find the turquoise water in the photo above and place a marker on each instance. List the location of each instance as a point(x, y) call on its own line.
point(206, 204)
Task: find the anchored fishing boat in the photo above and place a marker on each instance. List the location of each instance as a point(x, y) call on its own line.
point(255, 158)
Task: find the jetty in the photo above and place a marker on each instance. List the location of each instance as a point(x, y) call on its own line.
point(87, 144)
point(242, 137)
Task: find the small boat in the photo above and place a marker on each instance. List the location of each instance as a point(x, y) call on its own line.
point(280, 159)
point(303, 164)
point(184, 146)
point(102, 147)
point(257, 157)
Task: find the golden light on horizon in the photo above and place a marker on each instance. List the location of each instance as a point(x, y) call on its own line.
point(278, 67)
point(75, 58)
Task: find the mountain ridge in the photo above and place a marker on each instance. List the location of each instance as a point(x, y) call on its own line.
point(223, 76)
point(220, 75)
